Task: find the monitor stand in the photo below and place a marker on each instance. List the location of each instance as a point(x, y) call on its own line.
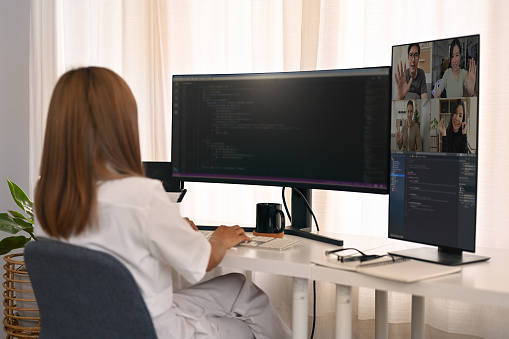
point(302, 220)
point(442, 256)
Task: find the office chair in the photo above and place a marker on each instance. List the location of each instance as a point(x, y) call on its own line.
point(84, 293)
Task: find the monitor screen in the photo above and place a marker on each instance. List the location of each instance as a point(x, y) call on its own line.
point(314, 129)
point(434, 145)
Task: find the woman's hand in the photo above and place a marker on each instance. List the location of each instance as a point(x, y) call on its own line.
point(223, 238)
point(471, 74)
point(191, 223)
point(464, 128)
point(441, 127)
point(230, 236)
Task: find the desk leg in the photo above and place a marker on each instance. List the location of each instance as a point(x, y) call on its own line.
point(343, 312)
point(381, 315)
point(418, 307)
point(300, 308)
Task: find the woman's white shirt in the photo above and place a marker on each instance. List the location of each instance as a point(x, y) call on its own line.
point(139, 225)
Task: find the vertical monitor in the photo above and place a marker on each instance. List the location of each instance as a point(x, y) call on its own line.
point(434, 148)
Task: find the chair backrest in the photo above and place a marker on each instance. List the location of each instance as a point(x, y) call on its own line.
point(84, 293)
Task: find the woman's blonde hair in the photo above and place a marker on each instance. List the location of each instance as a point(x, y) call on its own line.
point(91, 135)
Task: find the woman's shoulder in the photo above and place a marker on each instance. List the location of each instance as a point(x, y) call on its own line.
point(129, 190)
point(131, 181)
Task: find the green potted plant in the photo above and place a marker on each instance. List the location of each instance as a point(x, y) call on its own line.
point(14, 222)
point(417, 118)
point(433, 124)
point(21, 313)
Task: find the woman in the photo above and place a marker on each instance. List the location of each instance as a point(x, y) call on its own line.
point(455, 78)
point(92, 192)
point(454, 139)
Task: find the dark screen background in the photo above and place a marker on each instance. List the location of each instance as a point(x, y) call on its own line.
point(325, 129)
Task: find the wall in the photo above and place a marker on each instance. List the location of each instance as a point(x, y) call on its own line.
point(14, 97)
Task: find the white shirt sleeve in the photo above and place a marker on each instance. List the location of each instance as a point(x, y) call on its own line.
point(172, 240)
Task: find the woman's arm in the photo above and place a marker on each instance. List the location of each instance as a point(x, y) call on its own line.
point(223, 238)
point(443, 84)
point(443, 133)
point(470, 77)
point(464, 143)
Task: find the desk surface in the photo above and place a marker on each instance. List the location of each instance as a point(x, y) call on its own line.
point(483, 283)
point(295, 261)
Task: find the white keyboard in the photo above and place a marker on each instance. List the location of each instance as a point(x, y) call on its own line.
point(278, 244)
point(207, 234)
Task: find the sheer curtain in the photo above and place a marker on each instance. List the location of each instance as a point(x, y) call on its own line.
point(148, 41)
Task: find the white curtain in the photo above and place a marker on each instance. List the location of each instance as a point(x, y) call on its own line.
point(146, 41)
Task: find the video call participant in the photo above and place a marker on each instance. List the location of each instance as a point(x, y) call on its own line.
point(92, 193)
point(408, 136)
point(456, 78)
point(454, 138)
point(413, 80)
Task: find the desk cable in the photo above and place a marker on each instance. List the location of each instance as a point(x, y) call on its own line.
point(307, 204)
point(318, 229)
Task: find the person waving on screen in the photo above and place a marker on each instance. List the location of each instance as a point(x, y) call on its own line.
point(454, 138)
point(456, 79)
point(408, 137)
point(413, 80)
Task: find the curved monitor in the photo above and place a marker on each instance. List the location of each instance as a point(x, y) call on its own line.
point(434, 148)
point(315, 129)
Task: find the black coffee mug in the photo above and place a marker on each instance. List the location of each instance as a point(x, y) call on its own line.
point(269, 218)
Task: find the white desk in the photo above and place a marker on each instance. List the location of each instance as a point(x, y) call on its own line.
point(483, 283)
point(294, 262)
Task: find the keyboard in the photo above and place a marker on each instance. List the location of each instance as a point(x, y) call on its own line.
point(278, 244)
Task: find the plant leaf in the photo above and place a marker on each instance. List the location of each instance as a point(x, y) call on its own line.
point(16, 214)
point(24, 224)
point(21, 199)
point(11, 243)
point(7, 224)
